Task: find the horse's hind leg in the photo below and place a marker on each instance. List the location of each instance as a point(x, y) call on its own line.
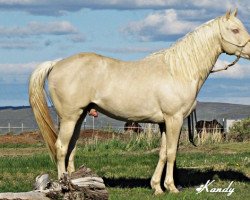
point(67, 127)
point(72, 145)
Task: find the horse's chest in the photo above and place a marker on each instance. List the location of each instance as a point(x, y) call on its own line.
point(178, 102)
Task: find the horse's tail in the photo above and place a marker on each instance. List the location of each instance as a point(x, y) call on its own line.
point(40, 107)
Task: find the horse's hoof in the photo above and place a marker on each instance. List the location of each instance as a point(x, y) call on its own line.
point(171, 188)
point(158, 192)
point(174, 191)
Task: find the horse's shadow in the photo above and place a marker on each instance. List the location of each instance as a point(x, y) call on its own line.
point(184, 177)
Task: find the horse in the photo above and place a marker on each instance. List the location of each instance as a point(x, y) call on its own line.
point(133, 126)
point(159, 88)
point(209, 126)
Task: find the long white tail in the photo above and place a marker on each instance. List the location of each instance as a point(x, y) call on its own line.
point(40, 107)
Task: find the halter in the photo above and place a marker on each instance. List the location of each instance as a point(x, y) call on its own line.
point(237, 58)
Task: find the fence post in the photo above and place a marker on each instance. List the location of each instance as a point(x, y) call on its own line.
point(149, 131)
point(84, 123)
point(9, 126)
point(22, 127)
point(93, 123)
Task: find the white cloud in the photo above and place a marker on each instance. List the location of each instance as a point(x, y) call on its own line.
point(213, 4)
point(188, 12)
point(235, 72)
point(164, 25)
point(17, 44)
point(179, 18)
point(78, 37)
point(25, 37)
point(17, 68)
point(39, 28)
point(16, 72)
point(56, 7)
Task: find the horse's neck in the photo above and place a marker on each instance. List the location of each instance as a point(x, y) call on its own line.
point(193, 57)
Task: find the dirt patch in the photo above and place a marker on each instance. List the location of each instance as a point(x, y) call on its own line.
point(22, 138)
point(36, 137)
point(101, 135)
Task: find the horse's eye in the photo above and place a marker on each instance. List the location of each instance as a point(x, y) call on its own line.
point(235, 30)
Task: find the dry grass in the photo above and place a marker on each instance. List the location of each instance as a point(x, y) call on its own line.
point(209, 137)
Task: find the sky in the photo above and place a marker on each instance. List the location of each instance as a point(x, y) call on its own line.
point(34, 31)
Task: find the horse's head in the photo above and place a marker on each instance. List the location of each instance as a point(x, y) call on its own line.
point(234, 36)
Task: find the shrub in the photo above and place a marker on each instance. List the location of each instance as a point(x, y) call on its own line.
point(240, 131)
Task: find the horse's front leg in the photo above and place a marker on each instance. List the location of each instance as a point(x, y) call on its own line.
point(173, 125)
point(156, 178)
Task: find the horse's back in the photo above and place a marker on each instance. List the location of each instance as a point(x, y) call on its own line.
point(83, 61)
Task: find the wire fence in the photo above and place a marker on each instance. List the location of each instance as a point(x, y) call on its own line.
point(9, 128)
point(17, 129)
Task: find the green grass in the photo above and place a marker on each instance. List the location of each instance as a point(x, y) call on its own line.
point(128, 166)
point(17, 145)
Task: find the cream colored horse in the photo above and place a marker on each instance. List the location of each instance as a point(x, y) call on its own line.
point(161, 88)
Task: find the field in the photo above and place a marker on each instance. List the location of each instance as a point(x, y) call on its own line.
point(127, 164)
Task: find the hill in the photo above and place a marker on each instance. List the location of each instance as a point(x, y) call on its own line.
point(211, 110)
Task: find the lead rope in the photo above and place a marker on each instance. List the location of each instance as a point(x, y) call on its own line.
point(227, 66)
point(191, 126)
point(234, 62)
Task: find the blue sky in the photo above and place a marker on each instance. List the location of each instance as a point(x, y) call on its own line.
point(33, 31)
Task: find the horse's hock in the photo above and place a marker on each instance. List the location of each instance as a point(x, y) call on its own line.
point(82, 185)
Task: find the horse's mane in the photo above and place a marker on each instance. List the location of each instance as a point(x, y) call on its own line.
point(195, 53)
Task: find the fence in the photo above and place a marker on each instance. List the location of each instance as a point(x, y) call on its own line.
point(120, 129)
point(92, 125)
point(16, 129)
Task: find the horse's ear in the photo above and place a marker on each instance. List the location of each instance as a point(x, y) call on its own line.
point(228, 13)
point(235, 12)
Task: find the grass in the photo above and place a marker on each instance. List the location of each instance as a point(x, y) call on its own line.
point(128, 166)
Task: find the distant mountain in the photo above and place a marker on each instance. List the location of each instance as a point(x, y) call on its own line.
point(211, 110)
point(13, 107)
point(16, 116)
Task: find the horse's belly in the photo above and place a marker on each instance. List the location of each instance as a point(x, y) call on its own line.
point(131, 113)
point(138, 117)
